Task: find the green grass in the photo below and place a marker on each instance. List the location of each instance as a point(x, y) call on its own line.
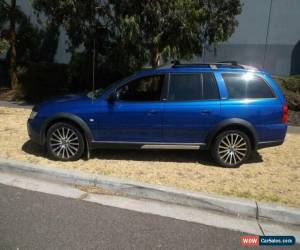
point(290, 86)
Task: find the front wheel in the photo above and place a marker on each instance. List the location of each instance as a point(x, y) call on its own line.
point(231, 148)
point(64, 142)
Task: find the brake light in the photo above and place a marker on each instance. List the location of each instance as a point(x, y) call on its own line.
point(284, 113)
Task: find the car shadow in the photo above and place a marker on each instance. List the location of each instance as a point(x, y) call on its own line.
point(179, 156)
point(32, 148)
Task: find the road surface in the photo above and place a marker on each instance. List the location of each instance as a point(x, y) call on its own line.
point(33, 220)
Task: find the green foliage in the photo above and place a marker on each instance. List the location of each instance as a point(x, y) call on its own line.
point(4, 45)
point(177, 28)
point(40, 81)
point(33, 44)
point(129, 34)
point(290, 85)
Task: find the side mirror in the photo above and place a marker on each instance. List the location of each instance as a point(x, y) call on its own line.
point(112, 97)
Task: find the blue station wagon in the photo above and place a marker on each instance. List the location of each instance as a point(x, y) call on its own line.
point(227, 108)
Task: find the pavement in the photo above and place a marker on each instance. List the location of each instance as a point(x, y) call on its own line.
point(37, 214)
point(32, 220)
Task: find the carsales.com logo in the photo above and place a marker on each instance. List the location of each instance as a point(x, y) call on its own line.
point(254, 240)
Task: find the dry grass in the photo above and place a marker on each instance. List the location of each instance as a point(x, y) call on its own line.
point(272, 175)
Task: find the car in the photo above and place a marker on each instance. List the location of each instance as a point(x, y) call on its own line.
point(226, 108)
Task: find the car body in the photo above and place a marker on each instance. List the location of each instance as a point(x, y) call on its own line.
point(182, 106)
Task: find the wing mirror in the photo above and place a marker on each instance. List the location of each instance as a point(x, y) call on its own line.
point(112, 97)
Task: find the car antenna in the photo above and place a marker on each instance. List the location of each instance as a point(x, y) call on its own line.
point(94, 58)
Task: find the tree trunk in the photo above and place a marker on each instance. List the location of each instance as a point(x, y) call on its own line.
point(12, 40)
point(155, 57)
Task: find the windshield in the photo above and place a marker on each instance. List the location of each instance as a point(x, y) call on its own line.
point(96, 93)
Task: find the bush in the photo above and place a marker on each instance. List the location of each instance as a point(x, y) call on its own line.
point(290, 86)
point(39, 81)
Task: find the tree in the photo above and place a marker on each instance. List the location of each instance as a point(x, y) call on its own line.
point(89, 21)
point(143, 31)
point(176, 28)
point(33, 43)
point(8, 12)
point(12, 41)
point(4, 43)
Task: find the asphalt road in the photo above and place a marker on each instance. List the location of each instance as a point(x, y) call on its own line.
point(32, 220)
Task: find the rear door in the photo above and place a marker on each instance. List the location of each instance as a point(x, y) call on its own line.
point(191, 108)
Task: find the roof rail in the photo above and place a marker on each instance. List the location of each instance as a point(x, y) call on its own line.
point(228, 64)
point(233, 63)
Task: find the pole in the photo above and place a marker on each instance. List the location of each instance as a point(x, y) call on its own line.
point(94, 58)
point(267, 34)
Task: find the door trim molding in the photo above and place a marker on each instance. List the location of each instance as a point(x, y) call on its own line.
point(146, 145)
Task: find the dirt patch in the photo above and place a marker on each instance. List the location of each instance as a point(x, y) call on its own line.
point(272, 175)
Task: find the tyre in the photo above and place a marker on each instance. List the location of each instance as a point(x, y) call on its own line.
point(64, 142)
point(231, 148)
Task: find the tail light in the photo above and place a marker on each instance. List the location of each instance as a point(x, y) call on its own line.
point(284, 113)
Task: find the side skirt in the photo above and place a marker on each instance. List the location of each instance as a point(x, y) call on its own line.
point(146, 145)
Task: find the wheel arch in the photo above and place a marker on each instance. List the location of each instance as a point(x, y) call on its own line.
point(236, 124)
point(69, 118)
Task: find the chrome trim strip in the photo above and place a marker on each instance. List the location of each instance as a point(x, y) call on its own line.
point(161, 146)
point(154, 145)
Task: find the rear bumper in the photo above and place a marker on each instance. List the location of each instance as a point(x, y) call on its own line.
point(269, 144)
point(33, 134)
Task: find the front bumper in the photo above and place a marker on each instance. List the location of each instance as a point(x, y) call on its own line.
point(33, 134)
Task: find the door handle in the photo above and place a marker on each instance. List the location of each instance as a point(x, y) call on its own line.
point(205, 112)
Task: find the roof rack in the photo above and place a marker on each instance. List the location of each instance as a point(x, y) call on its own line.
point(223, 64)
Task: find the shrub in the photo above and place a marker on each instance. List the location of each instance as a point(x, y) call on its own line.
point(39, 81)
point(290, 86)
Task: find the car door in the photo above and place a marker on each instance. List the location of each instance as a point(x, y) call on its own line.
point(136, 113)
point(192, 107)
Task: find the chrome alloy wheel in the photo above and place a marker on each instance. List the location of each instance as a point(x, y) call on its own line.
point(232, 149)
point(64, 142)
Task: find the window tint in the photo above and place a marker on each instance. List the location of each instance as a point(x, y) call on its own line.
point(189, 87)
point(210, 89)
point(242, 86)
point(185, 87)
point(142, 89)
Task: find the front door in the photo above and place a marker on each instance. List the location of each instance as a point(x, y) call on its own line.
point(136, 114)
point(191, 109)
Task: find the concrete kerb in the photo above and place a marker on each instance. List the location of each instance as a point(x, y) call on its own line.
point(228, 205)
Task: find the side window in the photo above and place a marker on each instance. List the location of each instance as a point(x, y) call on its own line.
point(185, 87)
point(191, 87)
point(240, 86)
point(142, 89)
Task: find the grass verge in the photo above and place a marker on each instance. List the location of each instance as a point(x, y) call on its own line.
point(272, 175)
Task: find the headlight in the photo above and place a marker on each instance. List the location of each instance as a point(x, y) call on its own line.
point(33, 115)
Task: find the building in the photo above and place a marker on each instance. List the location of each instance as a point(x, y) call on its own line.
point(268, 36)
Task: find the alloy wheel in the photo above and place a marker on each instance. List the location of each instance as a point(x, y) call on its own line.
point(232, 149)
point(64, 142)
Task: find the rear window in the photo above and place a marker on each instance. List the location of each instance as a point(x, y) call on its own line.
point(241, 86)
point(189, 87)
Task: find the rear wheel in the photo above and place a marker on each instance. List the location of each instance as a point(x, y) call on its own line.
point(64, 142)
point(231, 148)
